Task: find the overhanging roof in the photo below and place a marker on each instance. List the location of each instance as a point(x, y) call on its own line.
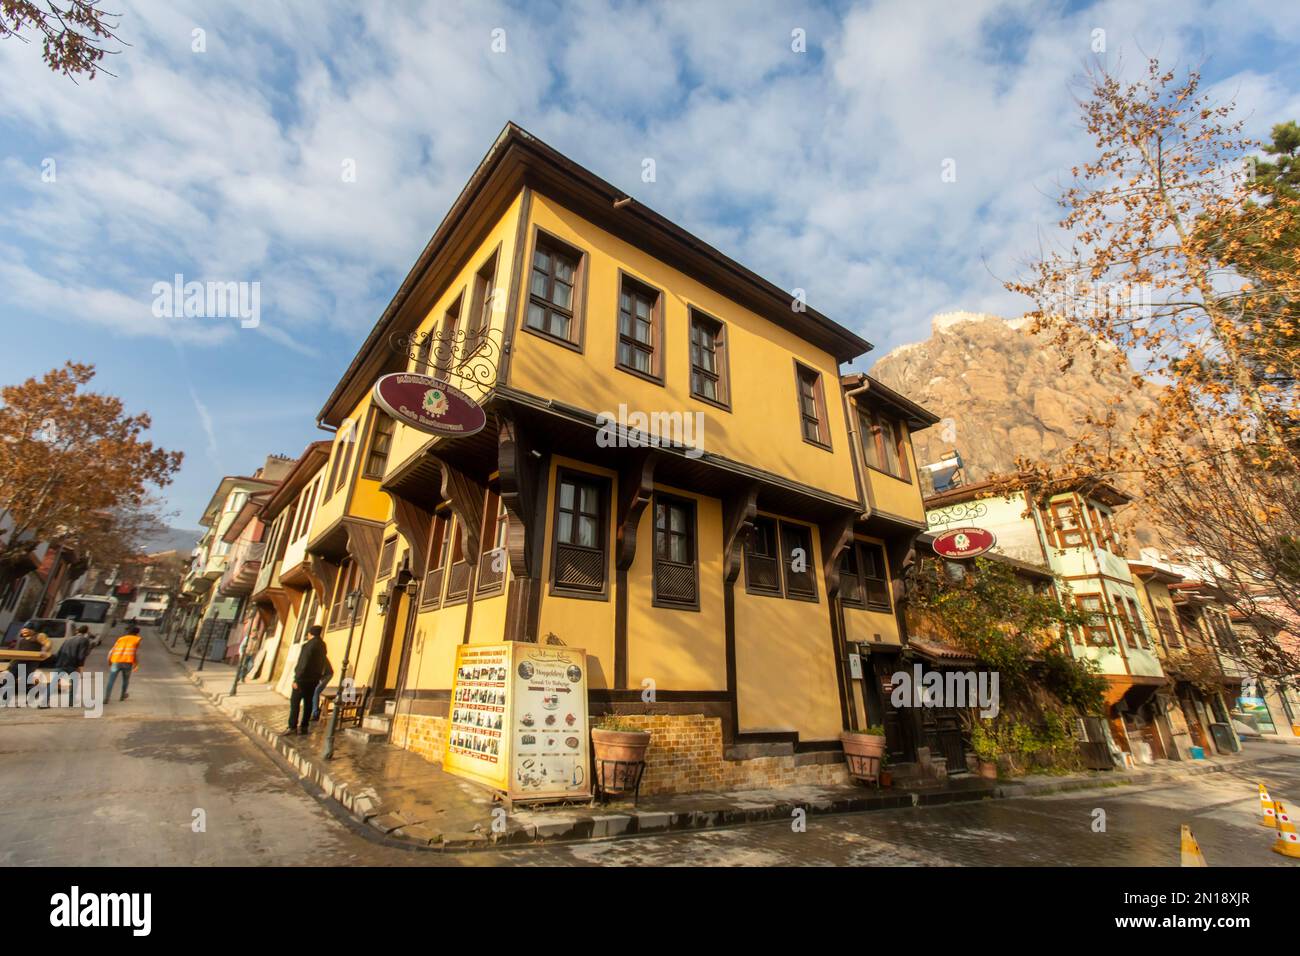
point(516, 159)
point(916, 416)
point(304, 469)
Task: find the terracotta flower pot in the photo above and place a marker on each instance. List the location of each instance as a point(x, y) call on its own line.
point(625, 746)
point(863, 745)
point(988, 769)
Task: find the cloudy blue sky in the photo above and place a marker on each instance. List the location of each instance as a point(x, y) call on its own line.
point(820, 170)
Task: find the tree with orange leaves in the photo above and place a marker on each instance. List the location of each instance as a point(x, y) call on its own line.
point(75, 469)
point(1179, 267)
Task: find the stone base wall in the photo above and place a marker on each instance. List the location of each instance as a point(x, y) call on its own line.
point(685, 755)
point(422, 734)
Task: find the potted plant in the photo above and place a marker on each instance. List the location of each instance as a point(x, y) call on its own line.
point(616, 739)
point(987, 750)
point(886, 775)
point(863, 750)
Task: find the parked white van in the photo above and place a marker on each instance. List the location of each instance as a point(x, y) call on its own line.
point(93, 610)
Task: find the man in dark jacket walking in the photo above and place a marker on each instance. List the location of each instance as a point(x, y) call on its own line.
point(313, 663)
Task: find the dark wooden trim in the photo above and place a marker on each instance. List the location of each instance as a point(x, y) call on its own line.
point(513, 314)
point(738, 512)
point(466, 495)
point(836, 535)
point(524, 478)
point(635, 492)
point(414, 524)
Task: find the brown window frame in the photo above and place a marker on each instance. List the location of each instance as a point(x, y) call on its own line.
point(495, 519)
point(387, 558)
point(755, 559)
point(811, 592)
point(806, 374)
point(882, 601)
point(601, 485)
point(348, 579)
point(630, 285)
point(484, 286)
point(376, 432)
point(1140, 632)
point(721, 375)
point(849, 566)
point(1168, 629)
point(458, 565)
point(444, 350)
point(435, 573)
point(1059, 532)
point(339, 477)
point(543, 240)
point(872, 428)
point(691, 509)
point(1100, 611)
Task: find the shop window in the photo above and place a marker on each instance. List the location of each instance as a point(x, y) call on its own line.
point(579, 561)
point(381, 440)
point(762, 566)
point(640, 330)
point(797, 562)
point(553, 291)
point(676, 571)
point(709, 378)
point(812, 406)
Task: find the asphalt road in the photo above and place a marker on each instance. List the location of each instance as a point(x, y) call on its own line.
point(164, 778)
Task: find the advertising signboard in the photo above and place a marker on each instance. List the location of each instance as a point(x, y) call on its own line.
point(518, 720)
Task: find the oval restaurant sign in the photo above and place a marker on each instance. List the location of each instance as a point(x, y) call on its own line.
point(964, 542)
point(429, 404)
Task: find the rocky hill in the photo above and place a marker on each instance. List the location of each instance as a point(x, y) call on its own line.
point(1000, 390)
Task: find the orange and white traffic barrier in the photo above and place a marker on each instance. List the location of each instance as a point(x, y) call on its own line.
point(1288, 841)
point(1190, 852)
point(1267, 807)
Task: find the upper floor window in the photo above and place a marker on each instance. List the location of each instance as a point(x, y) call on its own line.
point(436, 561)
point(381, 439)
point(552, 291)
point(676, 570)
point(1069, 532)
point(387, 556)
point(884, 444)
point(797, 561)
point(443, 344)
point(709, 380)
point(762, 566)
point(579, 562)
point(1097, 631)
point(1165, 624)
point(864, 579)
point(1139, 630)
point(640, 330)
point(492, 544)
point(342, 457)
point(812, 406)
point(483, 304)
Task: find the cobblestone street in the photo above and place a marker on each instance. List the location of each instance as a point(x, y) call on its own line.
point(124, 789)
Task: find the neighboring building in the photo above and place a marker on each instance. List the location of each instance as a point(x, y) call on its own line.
point(213, 614)
point(283, 594)
point(716, 579)
point(1073, 535)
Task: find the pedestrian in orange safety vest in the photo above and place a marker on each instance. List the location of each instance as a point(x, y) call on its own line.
point(123, 659)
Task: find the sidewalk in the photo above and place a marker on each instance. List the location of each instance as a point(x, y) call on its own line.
point(407, 798)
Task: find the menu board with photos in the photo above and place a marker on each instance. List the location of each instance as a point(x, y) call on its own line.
point(518, 720)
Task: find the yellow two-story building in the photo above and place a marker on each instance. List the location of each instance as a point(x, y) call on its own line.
point(673, 476)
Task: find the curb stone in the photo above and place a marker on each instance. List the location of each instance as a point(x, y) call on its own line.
point(366, 807)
